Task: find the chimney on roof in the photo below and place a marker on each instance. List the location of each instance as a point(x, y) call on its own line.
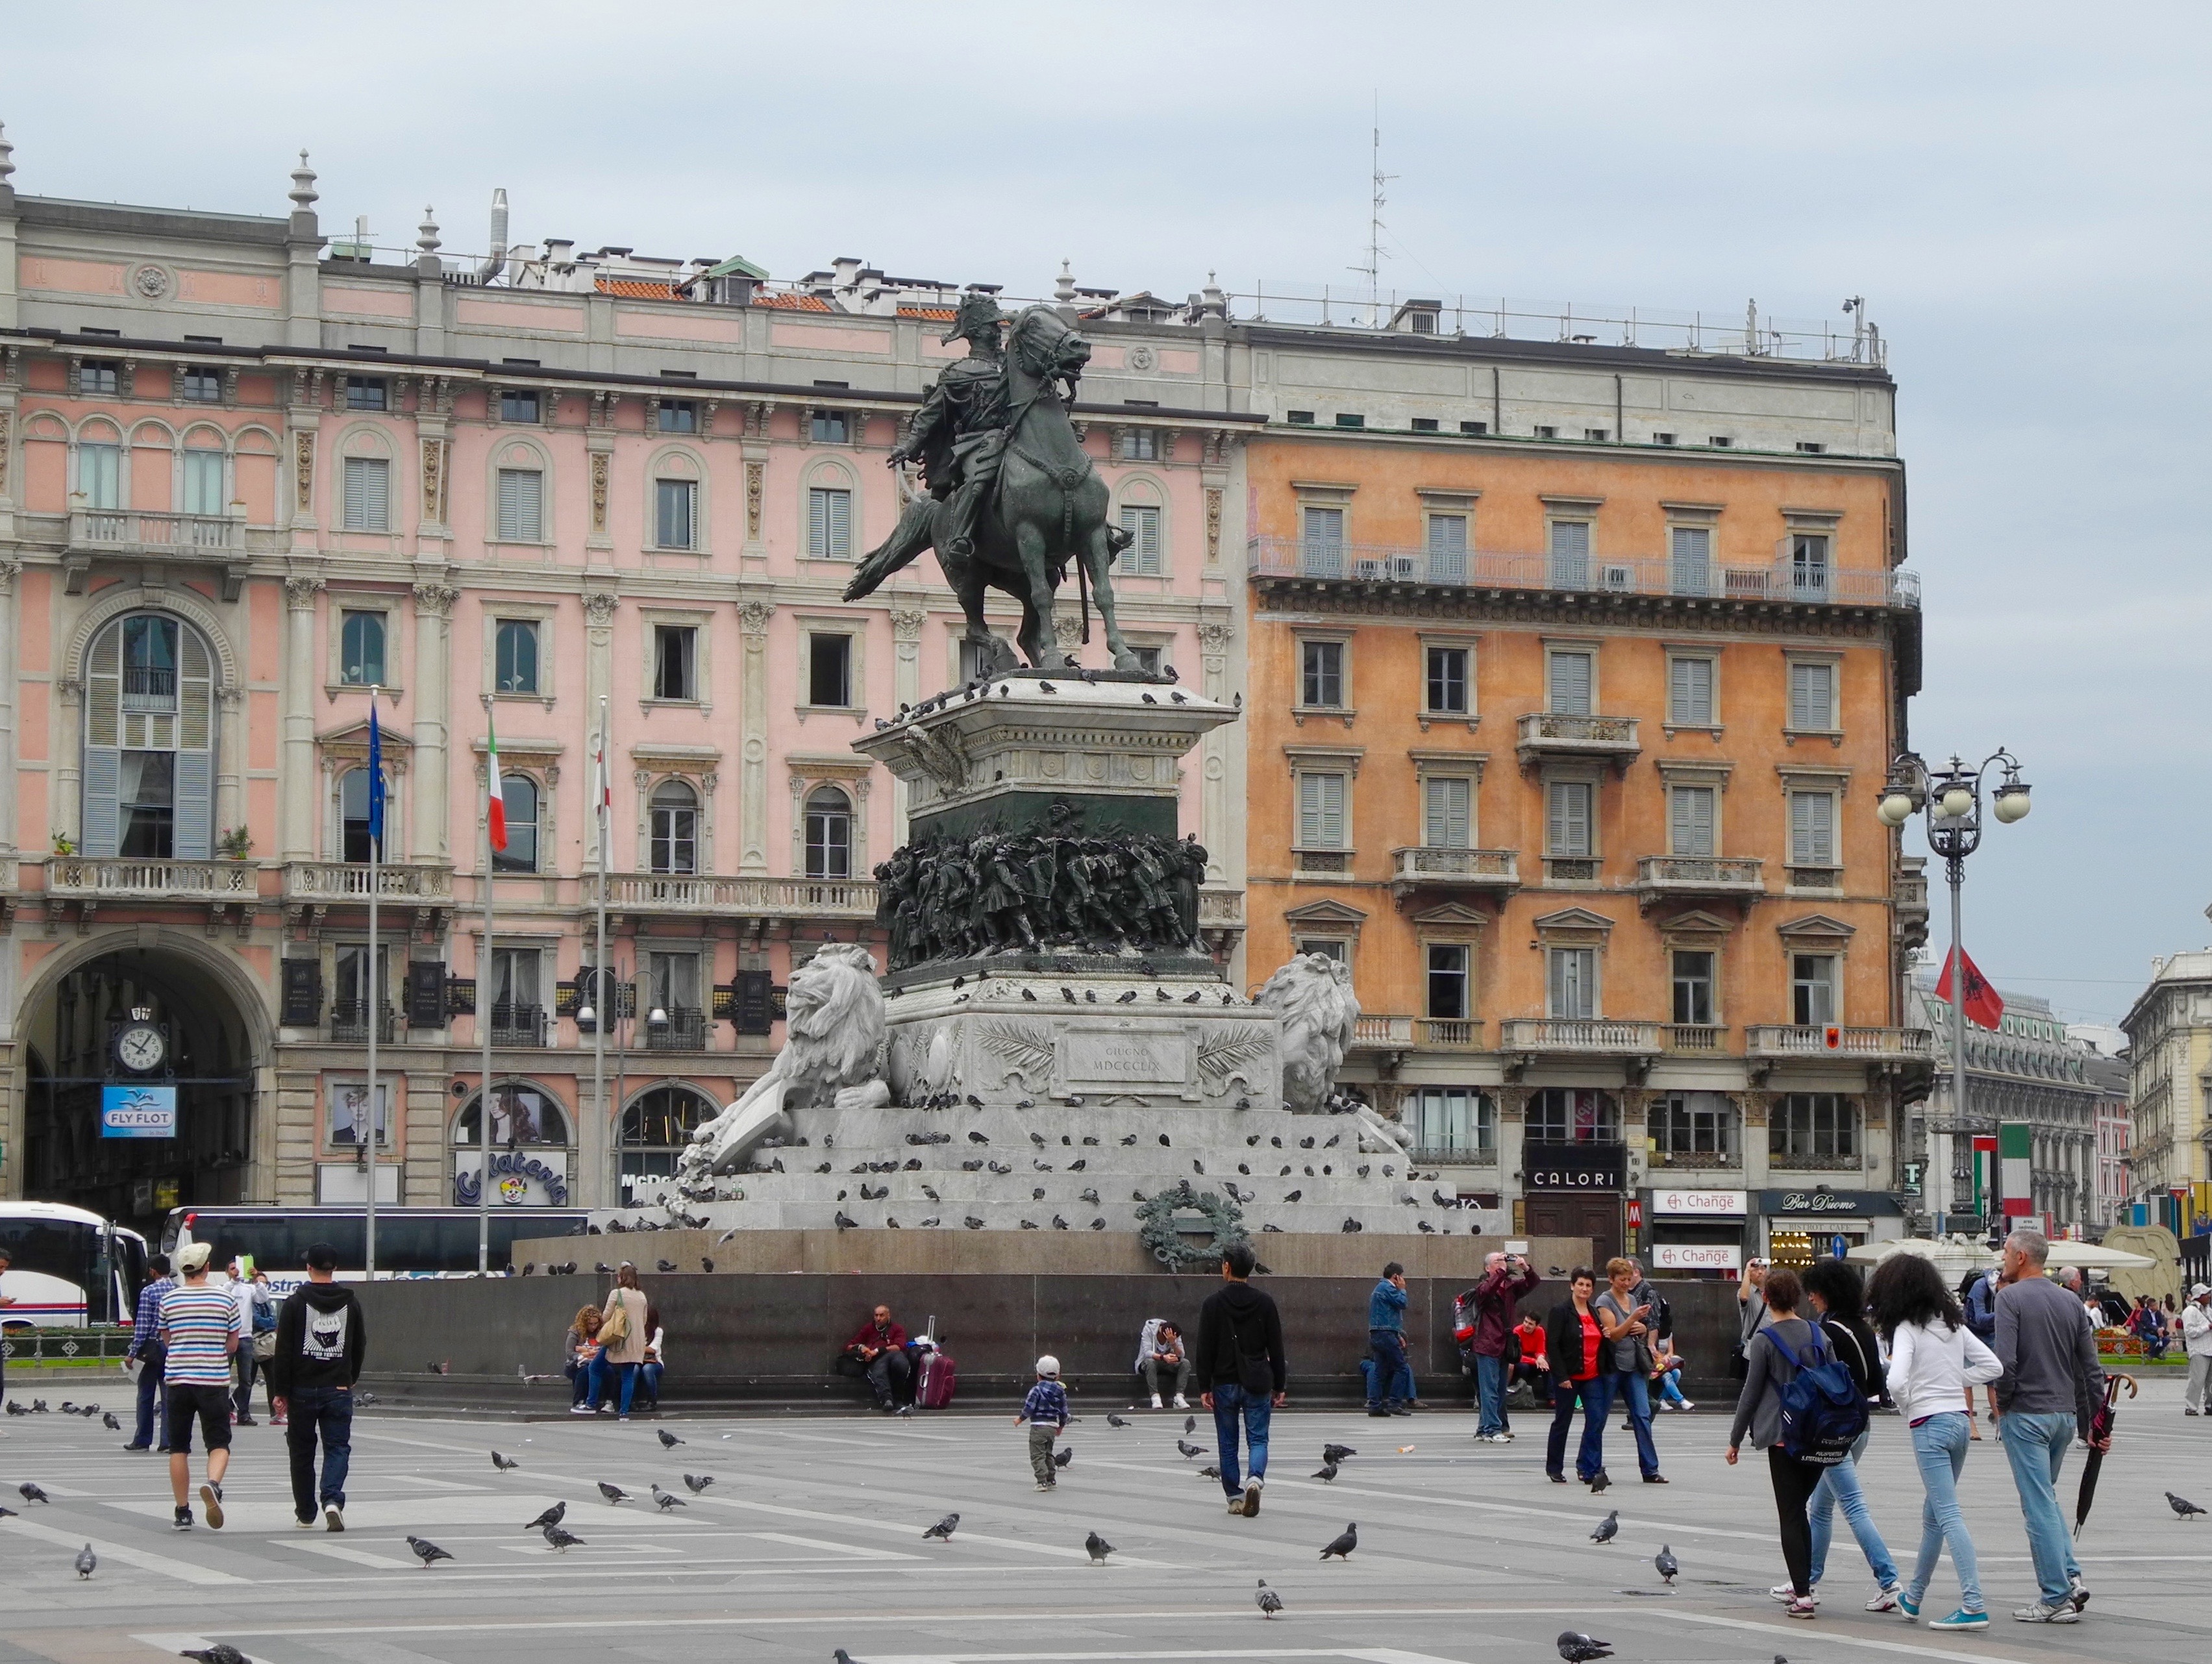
point(1063, 288)
point(490, 268)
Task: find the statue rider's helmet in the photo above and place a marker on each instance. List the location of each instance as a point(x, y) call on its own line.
point(978, 319)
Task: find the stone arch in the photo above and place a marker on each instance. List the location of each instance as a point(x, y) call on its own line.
point(115, 602)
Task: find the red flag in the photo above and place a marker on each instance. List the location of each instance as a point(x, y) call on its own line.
point(1983, 1006)
point(494, 789)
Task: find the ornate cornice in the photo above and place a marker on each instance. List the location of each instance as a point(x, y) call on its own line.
point(1571, 610)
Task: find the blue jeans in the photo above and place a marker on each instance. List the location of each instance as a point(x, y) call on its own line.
point(1628, 1384)
point(1387, 1348)
point(649, 1380)
point(1939, 1447)
point(601, 1386)
point(152, 1418)
point(311, 1411)
point(1257, 1410)
point(2036, 1446)
point(1840, 1484)
point(1670, 1386)
point(1490, 1386)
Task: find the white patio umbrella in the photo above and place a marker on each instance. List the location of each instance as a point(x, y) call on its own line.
point(2094, 1256)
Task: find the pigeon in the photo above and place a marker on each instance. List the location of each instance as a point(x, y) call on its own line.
point(1099, 1548)
point(1124, 998)
point(2181, 1505)
point(613, 1493)
point(1113, 1420)
point(666, 1502)
point(551, 1516)
point(705, 1264)
point(695, 1483)
point(1209, 1471)
point(222, 1653)
point(427, 1552)
point(664, 1265)
point(668, 1440)
point(445, 1369)
point(1047, 687)
point(1193, 996)
point(1667, 1563)
point(107, 1420)
point(1334, 1453)
point(1602, 1482)
point(977, 1138)
point(973, 1223)
point(33, 1494)
point(1131, 1140)
point(87, 1563)
point(504, 1464)
point(1343, 1546)
point(839, 1219)
point(1327, 1474)
point(1068, 994)
point(1579, 1649)
point(555, 1538)
point(9, 1513)
point(1061, 1458)
point(1608, 1528)
point(1267, 1599)
point(1030, 994)
point(1190, 1423)
point(943, 1529)
point(1188, 1448)
point(1148, 699)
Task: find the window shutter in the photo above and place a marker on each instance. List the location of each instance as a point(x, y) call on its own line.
point(1571, 550)
point(1142, 522)
point(1812, 697)
point(1690, 691)
point(1447, 814)
point(1321, 811)
point(103, 783)
point(521, 505)
point(817, 525)
point(367, 496)
point(1568, 832)
point(841, 525)
point(1812, 827)
point(1570, 683)
point(194, 838)
point(1691, 831)
point(1324, 542)
point(1447, 548)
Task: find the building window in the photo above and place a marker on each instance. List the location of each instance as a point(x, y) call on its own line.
point(515, 656)
point(515, 1002)
point(1320, 680)
point(1447, 979)
point(99, 475)
point(149, 761)
point(1812, 697)
point(1329, 947)
point(521, 507)
point(675, 662)
point(520, 794)
point(365, 392)
point(1571, 554)
point(1447, 547)
point(673, 820)
point(829, 426)
point(96, 380)
point(1690, 559)
point(1693, 1129)
point(1148, 659)
point(1140, 445)
point(1813, 994)
point(829, 834)
point(1448, 681)
point(1321, 811)
point(1321, 542)
point(678, 416)
point(1142, 559)
point(1572, 1115)
point(1570, 676)
point(1690, 820)
point(1808, 566)
point(1693, 987)
point(1350, 419)
point(656, 1130)
point(1546, 431)
point(676, 513)
point(353, 815)
point(671, 982)
point(1447, 812)
point(519, 1114)
point(1690, 692)
point(203, 482)
point(1816, 1127)
point(830, 670)
point(150, 664)
point(366, 502)
point(1301, 418)
point(518, 404)
point(1567, 826)
point(199, 385)
point(1663, 438)
point(1452, 1122)
point(1812, 828)
point(1570, 982)
point(828, 524)
point(362, 994)
point(148, 804)
point(360, 650)
point(1476, 427)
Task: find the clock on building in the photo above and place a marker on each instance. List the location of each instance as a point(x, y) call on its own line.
point(140, 1047)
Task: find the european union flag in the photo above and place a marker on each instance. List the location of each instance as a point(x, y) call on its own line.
point(375, 777)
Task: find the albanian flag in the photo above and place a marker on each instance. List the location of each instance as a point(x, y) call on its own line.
point(1983, 1006)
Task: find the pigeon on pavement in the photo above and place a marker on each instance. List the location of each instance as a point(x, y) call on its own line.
point(222, 1653)
point(555, 1538)
point(1190, 1423)
point(1061, 1458)
point(1343, 1546)
point(1667, 1563)
point(1189, 1449)
point(695, 1483)
point(1579, 1649)
point(613, 1493)
point(668, 1440)
point(1608, 1528)
point(33, 1494)
point(1113, 1420)
point(2181, 1505)
point(551, 1516)
point(944, 1528)
point(1267, 1599)
point(1099, 1548)
point(667, 1502)
point(1602, 1482)
point(1336, 1452)
point(107, 1420)
point(427, 1552)
point(504, 1464)
point(1209, 1471)
point(87, 1562)
point(9, 1513)
point(1327, 1474)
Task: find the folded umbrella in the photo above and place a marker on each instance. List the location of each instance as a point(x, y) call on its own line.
point(2100, 1430)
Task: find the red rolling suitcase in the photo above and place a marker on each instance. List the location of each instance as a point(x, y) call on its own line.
point(936, 1376)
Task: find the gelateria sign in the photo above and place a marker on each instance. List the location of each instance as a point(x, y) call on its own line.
point(519, 1178)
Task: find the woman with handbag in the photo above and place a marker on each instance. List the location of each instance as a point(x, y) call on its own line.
point(1628, 1361)
point(264, 1339)
point(623, 1335)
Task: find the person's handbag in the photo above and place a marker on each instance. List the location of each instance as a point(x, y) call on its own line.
point(265, 1345)
point(614, 1325)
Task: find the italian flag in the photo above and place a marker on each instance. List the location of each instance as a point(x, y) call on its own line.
point(494, 802)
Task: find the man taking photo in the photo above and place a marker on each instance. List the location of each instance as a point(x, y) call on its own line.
point(1506, 1278)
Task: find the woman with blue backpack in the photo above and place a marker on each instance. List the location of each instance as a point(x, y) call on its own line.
point(1836, 1297)
point(1801, 1407)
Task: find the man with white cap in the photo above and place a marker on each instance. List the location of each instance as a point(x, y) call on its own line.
point(2197, 1339)
point(199, 1336)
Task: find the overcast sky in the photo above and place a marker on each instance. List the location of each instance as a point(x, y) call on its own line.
point(2019, 191)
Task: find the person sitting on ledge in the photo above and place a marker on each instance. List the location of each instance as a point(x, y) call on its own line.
point(1160, 1349)
point(878, 1351)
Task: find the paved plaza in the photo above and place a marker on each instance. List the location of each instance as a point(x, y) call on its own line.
point(811, 1539)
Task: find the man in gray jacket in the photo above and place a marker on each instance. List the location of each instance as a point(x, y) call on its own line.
point(2048, 1393)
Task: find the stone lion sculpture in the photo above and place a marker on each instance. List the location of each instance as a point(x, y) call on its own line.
point(1312, 996)
point(833, 1032)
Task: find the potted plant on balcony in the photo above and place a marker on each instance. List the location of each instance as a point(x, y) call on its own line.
point(63, 845)
point(235, 844)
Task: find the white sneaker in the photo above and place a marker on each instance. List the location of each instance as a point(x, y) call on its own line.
point(1885, 1600)
point(1181, 1402)
point(1685, 1405)
point(1156, 1401)
point(1785, 1592)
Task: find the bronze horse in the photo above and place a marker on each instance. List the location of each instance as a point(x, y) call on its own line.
point(1050, 508)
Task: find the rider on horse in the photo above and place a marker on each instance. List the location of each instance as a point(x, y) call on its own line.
point(960, 433)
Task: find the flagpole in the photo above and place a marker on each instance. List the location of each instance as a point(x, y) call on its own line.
point(484, 1011)
point(375, 978)
point(607, 1134)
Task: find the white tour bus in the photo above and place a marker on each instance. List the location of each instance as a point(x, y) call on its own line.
point(68, 1267)
point(410, 1241)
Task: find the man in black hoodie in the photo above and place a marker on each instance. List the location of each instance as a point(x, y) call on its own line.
point(1240, 1368)
point(321, 1343)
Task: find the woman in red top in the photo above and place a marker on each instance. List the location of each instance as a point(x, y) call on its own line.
point(1572, 1341)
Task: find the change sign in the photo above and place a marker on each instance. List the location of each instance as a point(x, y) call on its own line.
point(138, 1112)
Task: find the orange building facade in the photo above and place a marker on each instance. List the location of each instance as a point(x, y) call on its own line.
point(1570, 749)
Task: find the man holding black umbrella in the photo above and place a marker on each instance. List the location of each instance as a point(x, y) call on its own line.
point(2048, 1391)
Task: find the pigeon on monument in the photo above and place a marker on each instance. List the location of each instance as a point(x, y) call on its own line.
point(944, 1528)
point(427, 1552)
point(1608, 1528)
point(1579, 1649)
point(1267, 1599)
point(1342, 1546)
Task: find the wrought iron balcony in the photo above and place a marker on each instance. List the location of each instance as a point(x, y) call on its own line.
point(349, 1024)
point(1496, 871)
point(685, 1031)
point(730, 898)
point(1696, 1160)
point(517, 1025)
point(1774, 1039)
point(1552, 734)
point(1582, 1037)
point(1680, 876)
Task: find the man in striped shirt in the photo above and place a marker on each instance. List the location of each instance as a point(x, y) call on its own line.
point(199, 1328)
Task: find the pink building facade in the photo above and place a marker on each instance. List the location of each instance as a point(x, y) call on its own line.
point(246, 476)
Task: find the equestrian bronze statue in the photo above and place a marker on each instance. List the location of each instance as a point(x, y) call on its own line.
point(1013, 497)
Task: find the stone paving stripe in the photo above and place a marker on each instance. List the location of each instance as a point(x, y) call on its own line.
point(184, 1570)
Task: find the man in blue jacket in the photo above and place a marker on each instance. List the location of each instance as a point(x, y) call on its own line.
point(1386, 1345)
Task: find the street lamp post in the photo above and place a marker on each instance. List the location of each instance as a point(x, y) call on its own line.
point(1951, 798)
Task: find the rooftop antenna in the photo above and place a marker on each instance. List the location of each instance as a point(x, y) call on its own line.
point(1373, 270)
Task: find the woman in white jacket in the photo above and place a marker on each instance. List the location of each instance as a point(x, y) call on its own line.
point(1934, 1359)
